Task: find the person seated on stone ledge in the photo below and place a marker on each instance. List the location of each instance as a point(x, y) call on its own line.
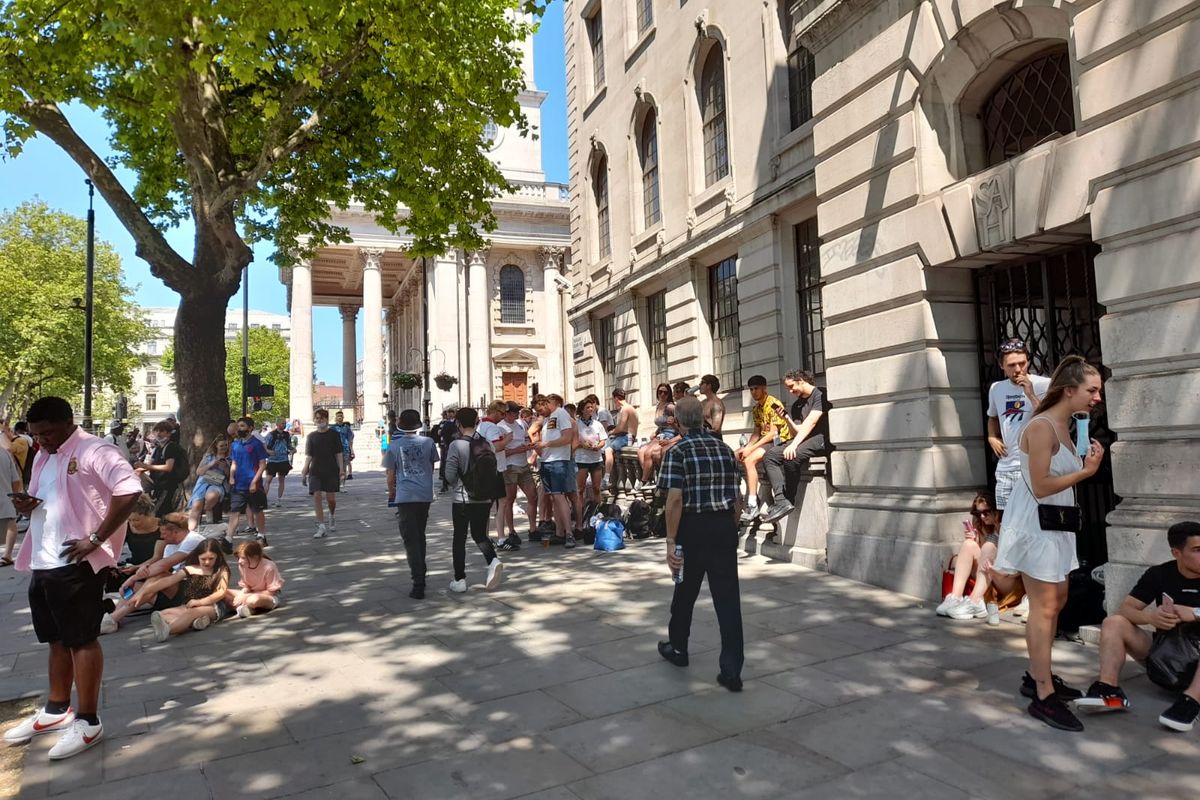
point(665, 436)
point(809, 428)
point(1174, 588)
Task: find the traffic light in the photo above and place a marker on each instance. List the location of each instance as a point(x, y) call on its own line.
point(253, 384)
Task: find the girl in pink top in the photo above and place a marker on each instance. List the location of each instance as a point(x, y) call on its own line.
point(259, 582)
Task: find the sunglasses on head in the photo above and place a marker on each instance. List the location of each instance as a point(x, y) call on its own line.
point(980, 512)
point(1013, 346)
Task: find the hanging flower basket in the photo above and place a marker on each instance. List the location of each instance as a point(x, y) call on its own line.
point(406, 380)
point(445, 381)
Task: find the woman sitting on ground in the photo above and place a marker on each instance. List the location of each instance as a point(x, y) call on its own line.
point(665, 435)
point(259, 582)
point(212, 481)
point(978, 551)
point(202, 585)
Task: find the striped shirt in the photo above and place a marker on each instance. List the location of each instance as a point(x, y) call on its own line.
point(705, 469)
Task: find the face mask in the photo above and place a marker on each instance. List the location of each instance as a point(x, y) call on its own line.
point(243, 433)
point(322, 426)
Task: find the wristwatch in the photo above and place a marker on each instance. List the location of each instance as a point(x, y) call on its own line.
point(95, 540)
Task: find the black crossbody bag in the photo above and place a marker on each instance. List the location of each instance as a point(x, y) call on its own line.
point(1057, 518)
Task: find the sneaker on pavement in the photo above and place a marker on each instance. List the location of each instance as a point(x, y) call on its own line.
point(77, 738)
point(778, 511)
point(40, 723)
point(947, 605)
point(322, 531)
point(249, 532)
point(226, 545)
point(332, 523)
point(1022, 609)
point(200, 623)
point(495, 574)
point(1061, 690)
point(162, 628)
point(458, 586)
point(993, 614)
point(969, 609)
point(1103, 697)
point(570, 542)
point(1181, 716)
point(108, 625)
point(513, 542)
point(244, 612)
point(558, 540)
point(1054, 712)
point(262, 539)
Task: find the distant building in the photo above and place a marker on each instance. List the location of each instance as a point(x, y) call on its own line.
point(153, 392)
point(325, 396)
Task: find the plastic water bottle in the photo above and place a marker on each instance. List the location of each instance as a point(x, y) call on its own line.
point(678, 577)
point(743, 440)
point(1082, 441)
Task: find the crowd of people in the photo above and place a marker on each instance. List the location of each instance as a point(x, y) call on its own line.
point(147, 557)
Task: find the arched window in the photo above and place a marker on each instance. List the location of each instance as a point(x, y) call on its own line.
point(1034, 102)
point(512, 295)
point(712, 113)
point(648, 153)
point(600, 193)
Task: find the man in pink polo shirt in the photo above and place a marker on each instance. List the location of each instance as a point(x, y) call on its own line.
point(79, 497)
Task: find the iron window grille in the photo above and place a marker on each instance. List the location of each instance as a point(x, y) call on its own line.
point(809, 290)
point(600, 188)
point(723, 317)
point(802, 71)
point(651, 208)
point(645, 15)
point(1034, 102)
point(606, 349)
point(656, 325)
point(512, 295)
point(595, 25)
point(712, 110)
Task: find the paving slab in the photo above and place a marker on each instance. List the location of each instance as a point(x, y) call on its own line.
point(551, 688)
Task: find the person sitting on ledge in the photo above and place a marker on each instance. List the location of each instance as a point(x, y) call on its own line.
point(810, 434)
point(1174, 586)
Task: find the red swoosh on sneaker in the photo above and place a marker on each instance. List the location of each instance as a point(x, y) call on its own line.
point(89, 739)
point(39, 727)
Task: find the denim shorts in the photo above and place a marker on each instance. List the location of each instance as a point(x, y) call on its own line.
point(201, 489)
point(558, 476)
point(619, 441)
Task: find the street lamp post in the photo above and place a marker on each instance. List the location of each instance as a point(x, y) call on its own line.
point(88, 309)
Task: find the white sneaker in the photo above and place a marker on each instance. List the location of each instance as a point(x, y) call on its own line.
point(495, 574)
point(993, 614)
point(200, 623)
point(948, 604)
point(77, 738)
point(108, 625)
point(332, 523)
point(244, 612)
point(749, 513)
point(38, 724)
point(1022, 609)
point(322, 531)
point(162, 628)
point(458, 586)
point(969, 609)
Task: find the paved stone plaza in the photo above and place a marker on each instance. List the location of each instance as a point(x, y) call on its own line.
point(551, 688)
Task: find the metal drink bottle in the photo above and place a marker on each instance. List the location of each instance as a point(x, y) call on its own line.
point(678, 577)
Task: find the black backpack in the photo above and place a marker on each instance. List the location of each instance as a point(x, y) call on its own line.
point(481, 478)
point(638, 520)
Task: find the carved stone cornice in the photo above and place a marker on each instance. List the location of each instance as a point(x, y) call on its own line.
point(478, 257)
point(818, 22)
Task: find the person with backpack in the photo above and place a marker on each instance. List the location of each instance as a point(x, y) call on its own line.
point(167, 470)
point(475, 485)
point(409, 463)
point(279, 458)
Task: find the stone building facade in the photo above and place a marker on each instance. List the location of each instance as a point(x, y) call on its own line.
point(975, 170)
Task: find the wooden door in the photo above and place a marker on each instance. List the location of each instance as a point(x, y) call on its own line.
point(515, 388)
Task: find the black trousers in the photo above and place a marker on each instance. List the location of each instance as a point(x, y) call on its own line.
point(710, 543)
point(772, 463)
point(473, 516)
point(414, 517)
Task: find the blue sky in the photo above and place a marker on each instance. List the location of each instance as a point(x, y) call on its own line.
point(44, 171)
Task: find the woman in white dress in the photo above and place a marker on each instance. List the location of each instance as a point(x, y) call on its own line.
point(1044, 558)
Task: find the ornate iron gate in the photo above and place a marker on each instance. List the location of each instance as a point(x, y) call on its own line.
point(1050, 303)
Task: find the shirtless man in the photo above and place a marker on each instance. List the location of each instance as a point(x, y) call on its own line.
point(712, 406)
point(623, 433)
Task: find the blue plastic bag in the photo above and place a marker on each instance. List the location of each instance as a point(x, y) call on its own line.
point(610, 535)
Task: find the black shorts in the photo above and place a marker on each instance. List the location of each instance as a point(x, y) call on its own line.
point(67, 603)
point(240, 499)
point(328, 483)
point(278, 468)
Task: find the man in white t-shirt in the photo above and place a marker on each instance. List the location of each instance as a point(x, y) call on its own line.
point(558, 479)
point(491, 428)
point(517, 474)
point(591, 439)
point(1011, 404)
point(177, 543)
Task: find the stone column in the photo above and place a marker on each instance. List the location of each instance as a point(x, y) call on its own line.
point(553, 370)
point(479, 329)
point(300, 383)
point(349, 355)
point(445, 309)
point(373, 386)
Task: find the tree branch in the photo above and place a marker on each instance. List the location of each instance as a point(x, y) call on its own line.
point(165, 264)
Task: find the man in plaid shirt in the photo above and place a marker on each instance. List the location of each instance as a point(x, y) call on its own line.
point(700, 475)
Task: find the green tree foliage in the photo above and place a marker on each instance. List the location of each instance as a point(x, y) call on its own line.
point(251, 118)
point(43, 259)
point(269, 357)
